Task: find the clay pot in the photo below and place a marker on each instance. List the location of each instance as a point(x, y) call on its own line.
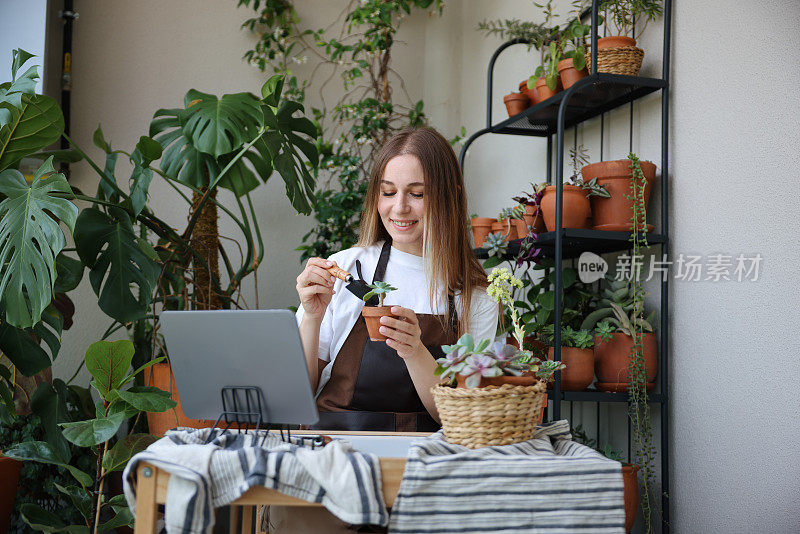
point(611, 359)
point(532, 94)
point(615, 41)
point(372, 315)
point(160, 376)
point(502, 227)
point(576, 207)
point(614, 214)
point(580, 368)
point(9, 478)
point(569, 74)
point(498, 381)
point(544, 91)
point(533, 217)
point(522, 227)
point(516, 103)
point(481, 227)
point(630, 494)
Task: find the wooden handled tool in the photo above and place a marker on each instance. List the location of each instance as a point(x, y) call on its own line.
point(340, 273)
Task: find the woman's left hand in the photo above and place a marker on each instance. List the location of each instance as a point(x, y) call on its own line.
point(403, 334)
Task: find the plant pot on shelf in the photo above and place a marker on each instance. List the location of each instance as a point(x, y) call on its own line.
point(505, 227)
point(521, 227)
point(481, 227)
point(580, 368)
point(544, 91)
point(576, 207)
point(532, 94)
point(516, 103)
point(619, 55)
point(614, 214)
point(568, 74)
point(630, 494)
point(533, 217)
point(372, 316)
point(612, 358)
point(492, 415)
point(9, 478)
point(160, 375)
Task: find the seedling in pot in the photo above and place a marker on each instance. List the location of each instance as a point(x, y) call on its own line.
point(381, 289)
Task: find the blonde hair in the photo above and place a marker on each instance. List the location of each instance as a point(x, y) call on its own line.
point(446, 251)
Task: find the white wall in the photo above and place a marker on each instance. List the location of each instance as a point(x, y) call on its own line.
point(733, 142)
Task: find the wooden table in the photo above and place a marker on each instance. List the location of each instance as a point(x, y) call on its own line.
point(151, 488)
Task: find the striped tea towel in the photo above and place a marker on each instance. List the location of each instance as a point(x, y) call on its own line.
point(549, 484)
point(346, 482)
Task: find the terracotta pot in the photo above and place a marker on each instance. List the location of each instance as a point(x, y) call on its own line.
point(522, 227)
point(9, 478)
point(611, 359)
point(576, 207)
point(569, 74)
point(580, 368)
point(481, 227)
point(372, 315)
point(532, 94)
point(516, 103)
point(533, 217)
point(498, 381)
point(630, 494)
point(615, 41)
point(160, 376)
point(614, 214)
point(544, 91)
point(502, 227)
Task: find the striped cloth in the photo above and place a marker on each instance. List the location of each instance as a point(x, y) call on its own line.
point(549, 484)
point(346, 482)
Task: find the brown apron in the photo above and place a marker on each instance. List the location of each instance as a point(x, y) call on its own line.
point(370, 387)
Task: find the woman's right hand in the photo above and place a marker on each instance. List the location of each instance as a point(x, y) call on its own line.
point(315, 287)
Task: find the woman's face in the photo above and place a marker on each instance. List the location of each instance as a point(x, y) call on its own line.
point(401, 205)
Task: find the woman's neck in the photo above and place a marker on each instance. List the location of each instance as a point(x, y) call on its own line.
point(408, 248)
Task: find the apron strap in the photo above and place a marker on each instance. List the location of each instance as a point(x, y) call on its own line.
point(380, 270)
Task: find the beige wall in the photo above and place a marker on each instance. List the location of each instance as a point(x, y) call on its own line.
point(733, 140)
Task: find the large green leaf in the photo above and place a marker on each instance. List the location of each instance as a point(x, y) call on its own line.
point(23, 351)
point(123, 518)
point(218, 126)
point(108, 362)
point(116, 458)
point(69, 272)
point(41, 451)
point(41, 520)
point(80, 499)
point(30, 239)
point(94, 431)
point(147, 399)
point(108, 246)
point(36, 124)
point(51, 407)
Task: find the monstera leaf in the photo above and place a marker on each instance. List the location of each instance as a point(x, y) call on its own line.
point(30, 240)
point(218, 126)
point(107, 245)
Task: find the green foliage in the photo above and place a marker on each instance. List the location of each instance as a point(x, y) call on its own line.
point(624, 14)
point(379, 288)
point(579, 339)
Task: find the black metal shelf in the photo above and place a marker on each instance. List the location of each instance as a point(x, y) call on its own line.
point(575, 241)
point(591, 395)
point(591, 97)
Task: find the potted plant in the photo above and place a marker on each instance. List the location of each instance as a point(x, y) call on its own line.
point(481, 227)
point(505, 223)
point(516, 103)
point(576, 354)
point(530, 92)
point(372, 314)
point(618, 54)
point(545, 78)
point(572, 48)
point(532, 202)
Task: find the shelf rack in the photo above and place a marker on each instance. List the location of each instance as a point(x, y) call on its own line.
point(594, 96)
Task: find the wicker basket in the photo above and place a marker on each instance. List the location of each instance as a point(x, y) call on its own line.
point(625, 60)
point(487, 416)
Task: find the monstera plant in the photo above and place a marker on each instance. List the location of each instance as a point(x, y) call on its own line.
point(137, 263)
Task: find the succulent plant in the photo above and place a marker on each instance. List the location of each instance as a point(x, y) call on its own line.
point(381, 289)
point(619, 308)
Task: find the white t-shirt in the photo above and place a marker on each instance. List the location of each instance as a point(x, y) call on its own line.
point(405, 272)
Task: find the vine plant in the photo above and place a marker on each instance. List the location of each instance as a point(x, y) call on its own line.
point(357, 46)
point(638, 410)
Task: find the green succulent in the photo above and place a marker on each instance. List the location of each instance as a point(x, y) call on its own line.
point(381, 289)
point(619, 308)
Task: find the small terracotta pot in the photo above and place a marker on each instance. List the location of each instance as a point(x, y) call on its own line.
point(533, 95)
point(576, 207)
point(533, 217)
point(372, 315)
point(580, 368)
point(502, 227)
point(522, 228)
point(160, 376)
point(569, 74)
point(516, 103)
point(461, 381)
point(630, 494)
point(615, 41)
point(544, 91)
point(9, 479)
point(611, 360)
point(614, 214)
point(481, 227)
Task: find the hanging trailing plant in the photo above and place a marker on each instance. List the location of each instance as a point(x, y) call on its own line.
point(638, 410)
